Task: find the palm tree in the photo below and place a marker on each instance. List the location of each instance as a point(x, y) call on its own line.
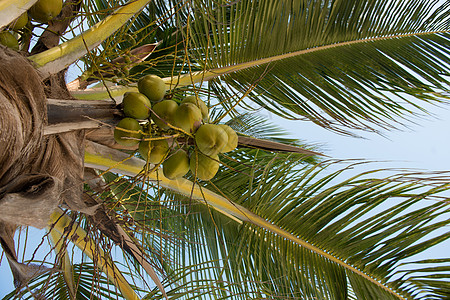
point(276, 221)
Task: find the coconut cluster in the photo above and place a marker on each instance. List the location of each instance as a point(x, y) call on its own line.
point(176, 135)
point(42, 11)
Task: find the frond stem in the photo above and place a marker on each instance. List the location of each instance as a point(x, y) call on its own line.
point(103, 158)
point(206, 75)
point(211, 74)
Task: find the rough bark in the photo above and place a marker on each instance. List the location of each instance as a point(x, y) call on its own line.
point(26, 152)
point(37, 173)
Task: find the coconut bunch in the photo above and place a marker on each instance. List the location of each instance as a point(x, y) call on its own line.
point(177, 136)
point(42, 11)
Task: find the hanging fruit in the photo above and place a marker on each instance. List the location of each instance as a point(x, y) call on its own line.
point(45, 10)
point(128, 132)
point(136, 105)
point(153, 87)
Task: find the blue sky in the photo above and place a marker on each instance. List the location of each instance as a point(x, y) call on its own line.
point(425, 145)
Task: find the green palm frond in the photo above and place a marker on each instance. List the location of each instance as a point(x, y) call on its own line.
point(434, 284)
point(168, 235)
point(337, 63)
point(341, 64)
point(90, 284)
point(373, 223)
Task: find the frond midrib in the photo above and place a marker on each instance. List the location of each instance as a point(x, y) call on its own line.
point(117, 161)
point(209, 74)
point(213, 73)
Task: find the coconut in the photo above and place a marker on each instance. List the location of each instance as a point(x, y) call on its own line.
point(165, 113)
point(200, 104)
point(176, 165)
point(128, 132)
point(45, 10)
point(211, 139)
point(204, 167)
point(232, 138)
point(153, 87)
point(9, 40)
point(188, 117)
point(136, 105)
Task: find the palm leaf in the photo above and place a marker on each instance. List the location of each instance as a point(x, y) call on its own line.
point(306, 54)
point(90, 285)
point(371, 223)
point(359, 228)
point(162, 230)
point(300, 58)
point(80, 238)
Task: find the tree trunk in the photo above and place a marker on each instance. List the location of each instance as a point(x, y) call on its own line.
point(38, 172)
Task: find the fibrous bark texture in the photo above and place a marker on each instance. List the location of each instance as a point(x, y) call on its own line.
point(37, 173)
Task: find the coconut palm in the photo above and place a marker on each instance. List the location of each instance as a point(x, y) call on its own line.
point(279, 220)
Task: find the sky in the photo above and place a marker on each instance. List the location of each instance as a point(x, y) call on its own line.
point(425, 145)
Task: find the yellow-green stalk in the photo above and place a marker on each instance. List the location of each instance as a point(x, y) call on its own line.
point(104, 158)
point(58, 58)
point(66, 266)
point(79, 237)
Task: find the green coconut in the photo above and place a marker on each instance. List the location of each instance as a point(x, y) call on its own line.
point(232, 138)
point(153, 87)
point(200, 104)
point(9, 40)
point(166, 112)
point(204, 167)
point(176, 165)
point(158, 150)
point(45, 10)
point(136, 105)
point(211, 139)
point(20, 22)
point(128, 132)
point(188, 117)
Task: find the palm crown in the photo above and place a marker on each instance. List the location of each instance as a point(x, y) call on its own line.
point(271, 224)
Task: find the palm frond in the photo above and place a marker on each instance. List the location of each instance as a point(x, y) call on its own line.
point(90, 284)
point(337, 63)
point(377, 225)
point(65, 225)
point(371, 222)
point(331, 239)
point(341, 64)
